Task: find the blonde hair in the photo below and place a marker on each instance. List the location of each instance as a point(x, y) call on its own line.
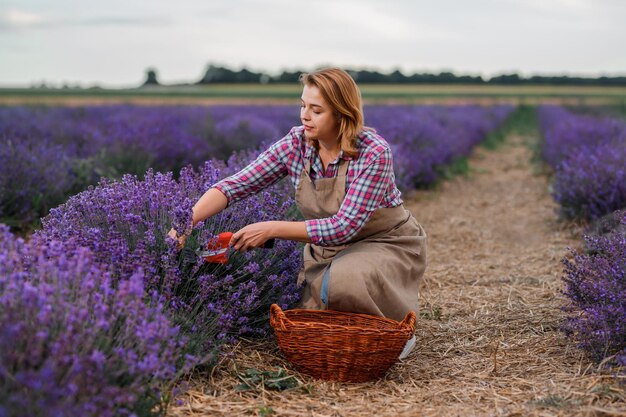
point(344, 97)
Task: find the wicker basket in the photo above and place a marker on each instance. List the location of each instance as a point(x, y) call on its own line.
point(340, 346)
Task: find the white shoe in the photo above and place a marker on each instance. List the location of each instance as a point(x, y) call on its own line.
point(410, 344)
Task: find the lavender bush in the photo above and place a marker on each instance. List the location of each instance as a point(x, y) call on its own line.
point(588, 155)
point(75, 341)
point(596, 284)
point(609, 225)
point(246, 126)
point(35, 176)
point(565, 132)
point(591, 182)
point(125, 224)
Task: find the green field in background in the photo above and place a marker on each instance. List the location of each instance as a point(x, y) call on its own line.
point(290, 93)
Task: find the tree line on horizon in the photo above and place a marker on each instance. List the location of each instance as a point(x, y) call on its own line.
point(222, 75)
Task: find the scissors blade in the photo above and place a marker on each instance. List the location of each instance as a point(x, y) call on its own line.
point(215, 252)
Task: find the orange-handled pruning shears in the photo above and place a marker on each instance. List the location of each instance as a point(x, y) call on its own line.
point(218, 249)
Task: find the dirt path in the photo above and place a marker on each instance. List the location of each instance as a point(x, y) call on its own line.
point(488, 336)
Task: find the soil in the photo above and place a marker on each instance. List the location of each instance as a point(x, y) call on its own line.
point(489, 329)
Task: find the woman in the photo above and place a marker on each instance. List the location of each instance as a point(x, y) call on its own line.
point(364, 251)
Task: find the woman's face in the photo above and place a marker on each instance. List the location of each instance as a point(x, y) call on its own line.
point(317, 116)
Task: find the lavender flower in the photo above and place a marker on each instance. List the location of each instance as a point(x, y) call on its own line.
point(47, 154)
point(591, 181)
point(596, 284)
point(35, 175)
point(588, 155)
point(125, 223)
point(75, 341)
point(426, 139)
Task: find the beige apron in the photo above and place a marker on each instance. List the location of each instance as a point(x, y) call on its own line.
point(378, 272)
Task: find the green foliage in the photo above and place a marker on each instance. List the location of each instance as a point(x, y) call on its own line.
point(151, 77)
point(554, 401)
point(494, 139)
point(523, 122)
point(253, 379)
point(266, 411)
point(459, 166)
point(608, 391)
point(434, 313)
point(218, 74)
point(124, 159)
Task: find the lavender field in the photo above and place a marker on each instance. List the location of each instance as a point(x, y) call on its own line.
point(588, 156)
point(50, 153)
point(100, 273)
point(109, 182)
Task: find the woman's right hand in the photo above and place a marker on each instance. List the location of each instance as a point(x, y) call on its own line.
point(179, 238)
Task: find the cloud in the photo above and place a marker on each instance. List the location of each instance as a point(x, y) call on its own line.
point(19, 20)
point(371, 21)
point(561, 8)
point(365, 17)
point(16, 19)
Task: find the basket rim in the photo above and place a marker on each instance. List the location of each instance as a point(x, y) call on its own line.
point(282, 321)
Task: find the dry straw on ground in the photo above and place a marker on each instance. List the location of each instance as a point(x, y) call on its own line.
point(488, 332)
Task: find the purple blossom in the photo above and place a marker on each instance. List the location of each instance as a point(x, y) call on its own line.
point(76, 341)
point(588, 155)
point(47, 154)
point(125, 224)
point(596, 285)
point(425, 139)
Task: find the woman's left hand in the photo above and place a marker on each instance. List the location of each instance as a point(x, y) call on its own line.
point(180, 239)
point(252, 236)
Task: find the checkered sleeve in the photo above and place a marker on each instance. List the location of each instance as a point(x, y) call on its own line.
point(269, 167)
point(363, 197)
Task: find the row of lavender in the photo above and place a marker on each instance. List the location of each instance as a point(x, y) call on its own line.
point(47, 154)
point(588, 155)
point(99, 313)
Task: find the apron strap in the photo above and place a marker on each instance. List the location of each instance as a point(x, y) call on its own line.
point(343, 167)
point(307, 167)
point(343, 172)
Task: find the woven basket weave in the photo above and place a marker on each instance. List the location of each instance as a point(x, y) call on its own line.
point(339, 346)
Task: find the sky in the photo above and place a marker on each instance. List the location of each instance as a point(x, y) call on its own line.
point(112, 43)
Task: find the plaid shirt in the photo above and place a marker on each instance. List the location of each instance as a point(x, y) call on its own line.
point(370, 181)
